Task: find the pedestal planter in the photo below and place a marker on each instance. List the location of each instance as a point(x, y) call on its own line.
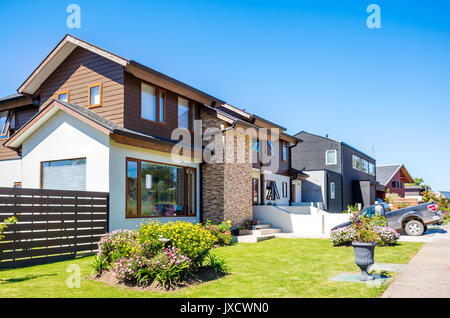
point(364, 257)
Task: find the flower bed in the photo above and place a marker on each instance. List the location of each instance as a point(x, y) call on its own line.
point(159, 254)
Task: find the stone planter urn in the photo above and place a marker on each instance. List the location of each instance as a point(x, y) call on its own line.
point(364, 257)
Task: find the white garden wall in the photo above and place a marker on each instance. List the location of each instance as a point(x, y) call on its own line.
point(307, 221)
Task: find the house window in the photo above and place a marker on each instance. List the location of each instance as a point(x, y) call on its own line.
point(395, 184)
point(160, 190)
point(364, 165)
point(256, 145)
point(331, 157)
point(356, 162)
point(371, 168)
point(270, 148)
point(5, 122)
point(17, 185)
point(284, 189)
point(332, 190)
point(255, 191)
point(95, 95)
point(64, 174)
point(184, 113)
point(272, 191)
point(152, 103)
point(285, 151)
point(63, 96)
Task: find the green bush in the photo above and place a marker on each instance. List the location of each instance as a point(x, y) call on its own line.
point(193, 240)
point(221, 232)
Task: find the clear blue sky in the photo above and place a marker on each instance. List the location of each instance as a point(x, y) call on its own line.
point(307, 65)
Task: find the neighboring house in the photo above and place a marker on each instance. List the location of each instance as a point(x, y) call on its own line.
point(105, 124)
point(393, 177)
point(339, 174)
point(415, 191)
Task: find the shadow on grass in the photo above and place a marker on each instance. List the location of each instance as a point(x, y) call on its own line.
point(22, 279)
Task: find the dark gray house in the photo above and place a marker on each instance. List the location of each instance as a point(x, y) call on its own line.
point(339, 174)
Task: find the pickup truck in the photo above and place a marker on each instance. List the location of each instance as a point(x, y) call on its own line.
point(412, 220)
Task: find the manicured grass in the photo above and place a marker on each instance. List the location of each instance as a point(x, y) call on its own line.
point(274, 268)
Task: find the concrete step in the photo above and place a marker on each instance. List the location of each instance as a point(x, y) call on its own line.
point(265, 231)
point(251, 238)
point(261, 226)
point(258, 222)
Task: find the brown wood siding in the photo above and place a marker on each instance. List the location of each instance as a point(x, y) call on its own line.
point(81, 69)
point(7, 154)
point(24, 114)
point(132, 114)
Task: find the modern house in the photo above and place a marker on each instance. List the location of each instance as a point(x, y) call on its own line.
point(393, 177)
point(88, 119)
point(339, 174)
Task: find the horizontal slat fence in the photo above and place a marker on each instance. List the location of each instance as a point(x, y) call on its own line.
point(53, 225)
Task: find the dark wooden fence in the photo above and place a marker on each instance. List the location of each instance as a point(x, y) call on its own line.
point(53, 225)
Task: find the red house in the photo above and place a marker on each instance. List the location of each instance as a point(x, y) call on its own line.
point(393, 177)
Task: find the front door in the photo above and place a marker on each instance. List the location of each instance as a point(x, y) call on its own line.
point(293, 193)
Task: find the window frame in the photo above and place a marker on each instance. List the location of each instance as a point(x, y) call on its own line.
point(255, 182)
point(332, 190)
point(284, 189)
point(89, 95)
point(335, 157)
point(68, 95)
point(5, 129)
point(158, 91)
point(284, 151)
point(18, 184)
point(41, 181)
point(192, 112)
point(139, 187)
point(397, 182)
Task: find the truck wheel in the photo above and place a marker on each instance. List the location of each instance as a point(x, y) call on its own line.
point(414, 228)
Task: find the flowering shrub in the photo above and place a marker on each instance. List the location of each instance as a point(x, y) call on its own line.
point(118, 244)
point(346, 235)
point(126, 267)
point(165, 253)
point(343, 236)
point(193, 240)
point(221, 231)
point(387, 236)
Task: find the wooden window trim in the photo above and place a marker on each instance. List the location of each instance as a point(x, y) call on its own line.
point(191, 113)
point(89, 94)
point(158, 90)
point(284, 189)
point(186, 209)
point(17, 184)
point(68, 95)
point(6, 125)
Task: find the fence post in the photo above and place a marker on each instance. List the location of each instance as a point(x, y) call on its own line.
point(76, 224)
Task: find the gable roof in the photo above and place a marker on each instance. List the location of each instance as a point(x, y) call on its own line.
point(69, 43)
point(386, 172)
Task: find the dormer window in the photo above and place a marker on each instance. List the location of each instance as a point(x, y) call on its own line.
point(63, 96)
point(95, 95)
point(5, 122)
point(152, 103)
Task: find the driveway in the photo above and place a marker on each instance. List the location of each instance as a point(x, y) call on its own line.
point(428, 273)
point(432, 233)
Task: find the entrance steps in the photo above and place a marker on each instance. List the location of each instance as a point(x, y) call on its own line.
point(259, 232)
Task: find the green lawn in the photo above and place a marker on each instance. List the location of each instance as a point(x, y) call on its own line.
point(273, 268)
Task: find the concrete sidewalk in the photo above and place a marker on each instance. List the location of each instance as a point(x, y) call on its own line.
point(428, 273)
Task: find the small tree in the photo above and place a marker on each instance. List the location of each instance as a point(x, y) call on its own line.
point(4, 225)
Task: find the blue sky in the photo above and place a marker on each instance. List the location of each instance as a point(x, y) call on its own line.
point(307, 65)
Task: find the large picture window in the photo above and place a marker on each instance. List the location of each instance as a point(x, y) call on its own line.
point(159, 190)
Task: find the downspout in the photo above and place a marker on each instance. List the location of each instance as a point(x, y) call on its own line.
point(290, 166)
point(342, 178)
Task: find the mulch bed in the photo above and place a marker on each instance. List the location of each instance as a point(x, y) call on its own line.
point(199, 277)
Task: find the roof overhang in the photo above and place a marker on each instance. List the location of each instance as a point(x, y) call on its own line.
point(56, 57)
point(406, 175)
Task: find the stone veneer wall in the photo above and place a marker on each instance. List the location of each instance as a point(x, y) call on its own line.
point(227, 187)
